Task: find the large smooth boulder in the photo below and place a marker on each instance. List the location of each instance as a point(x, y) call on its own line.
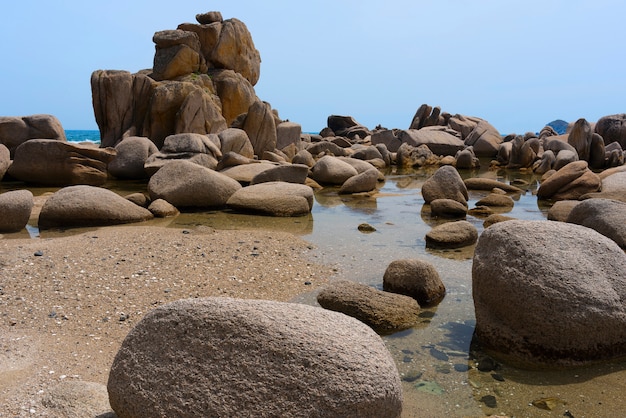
point(290, 173)
point(16, 130)
point(447, 208)
point(549, 294)
point(455, 234)
point(385, 312)
point(416, 278)
point(16, 207)
point(484, 139)
point(130, 158)
point(612, 128)
point(332, 170)
point(363, 182)
point(245, 173)
point(185, 184)
point(445, 183)
point(276, 198)
point(80, 206)
point(606, 216)
point(438, 139)
point(59, 163)
point(570, 182)
point(240, 358)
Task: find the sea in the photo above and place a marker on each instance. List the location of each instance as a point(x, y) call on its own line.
point(80, 135)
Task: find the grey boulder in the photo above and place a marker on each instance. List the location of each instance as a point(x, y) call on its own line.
point(549, 293)
point(235, 358)
point(276, 198)
point(605, 216)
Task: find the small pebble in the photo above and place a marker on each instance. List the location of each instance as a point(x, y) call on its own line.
point(38, 253)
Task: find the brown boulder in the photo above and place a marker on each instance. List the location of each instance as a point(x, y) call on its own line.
point(383, 311)
point(485, 139)
point(445, 183)
point(131, 155)
point(260, 126)
point(235, 92)
point(16, 130)
point(16, 207)
point(80, 206)
point(439, 139)
point(415, 278)
point(570, 182)
point(455, 234)
point(612, 128)
point(58, 163)
point(177, 54)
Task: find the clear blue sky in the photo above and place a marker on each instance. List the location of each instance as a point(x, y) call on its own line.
point(518, 64)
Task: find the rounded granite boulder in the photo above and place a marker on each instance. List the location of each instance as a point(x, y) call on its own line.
point(233, 358)
point(549, 294)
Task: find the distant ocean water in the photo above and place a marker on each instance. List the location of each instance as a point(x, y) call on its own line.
point(83, 136)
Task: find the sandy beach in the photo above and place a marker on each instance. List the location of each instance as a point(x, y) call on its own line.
point(67, 302)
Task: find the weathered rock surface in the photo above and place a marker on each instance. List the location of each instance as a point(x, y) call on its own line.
point(363, 182)
point(608, 217)
point(200, 149)
point(275, 198)
point(245, 173)
point(412, 156)
point(570, 182)
point(234, 358)
point(290, 173)
point(177, 54)
point(447, 208)
point(162, 209)
point(481, 183)
point(79, 206)
point(260, 126)
point(484, 139)
point(497, 200)
point(385, 312)
point(612, 128)
point(415, 278)
point(445, 183)
point(228, 44)
point(439, 140)
point(16, 130)
point(235, 92)
point(573, 284)
point(185, 184)
point(131, 155)
point(16, 207)
point(59, 163)
point(332, 170)
point(455, 234)
point(77, 399)
point(560, 210)
point(5, 160)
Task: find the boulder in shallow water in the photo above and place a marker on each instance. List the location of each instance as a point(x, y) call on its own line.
point(416, 278)
point(549, 293)
point(132, 153)
point(385, 312)
point(79, 206)
point(456, 234)
point(222, 357)
point(277, 198)
point(445, 183)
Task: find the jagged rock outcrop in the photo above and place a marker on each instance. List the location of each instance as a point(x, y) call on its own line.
point(16, 130)
point(178, 96)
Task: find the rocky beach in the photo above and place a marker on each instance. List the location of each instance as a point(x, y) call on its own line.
point(451, 259)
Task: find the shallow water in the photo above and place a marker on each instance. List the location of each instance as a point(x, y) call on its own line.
point(436, 359)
